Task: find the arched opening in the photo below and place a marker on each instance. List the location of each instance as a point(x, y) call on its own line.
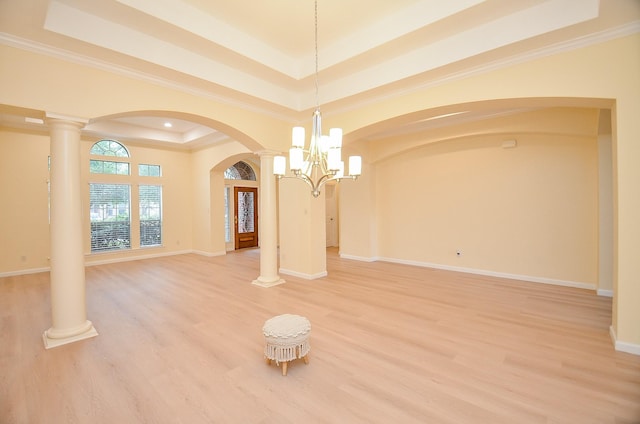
point(241, 206)
point(443, 172)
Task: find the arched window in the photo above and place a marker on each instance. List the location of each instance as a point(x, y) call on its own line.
point(240, 171)
point(109, 148)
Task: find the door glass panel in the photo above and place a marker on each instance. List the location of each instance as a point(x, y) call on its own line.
point(245, 212)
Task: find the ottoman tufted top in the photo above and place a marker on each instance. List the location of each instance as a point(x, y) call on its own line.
point(286, 326)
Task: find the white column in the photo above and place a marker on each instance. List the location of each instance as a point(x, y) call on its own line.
point(268, 228)
point(68, 300)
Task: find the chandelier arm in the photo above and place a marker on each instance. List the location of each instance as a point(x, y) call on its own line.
point(315, 186)
point(300, 176)
point(334, 178)
point(323, 180)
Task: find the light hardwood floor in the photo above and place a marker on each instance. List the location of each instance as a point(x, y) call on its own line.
point(180, 342)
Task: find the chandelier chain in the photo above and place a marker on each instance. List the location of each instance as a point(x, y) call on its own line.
point(322, 162)
point(316, 47)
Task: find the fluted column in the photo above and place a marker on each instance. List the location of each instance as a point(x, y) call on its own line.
point(68, 299)
point(268, 229)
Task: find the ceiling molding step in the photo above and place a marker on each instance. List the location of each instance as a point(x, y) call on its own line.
point(293, 116)
point(585, 41)
point(78, 24)
point(196, 21)
point(67, 56)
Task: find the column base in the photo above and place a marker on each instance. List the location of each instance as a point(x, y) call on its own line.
point(270, 283)
point(49, 342)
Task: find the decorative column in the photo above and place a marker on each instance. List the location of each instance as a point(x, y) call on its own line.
point(68, 300)
point(268, 223)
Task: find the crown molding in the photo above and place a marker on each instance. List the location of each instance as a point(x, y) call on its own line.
point(78, 59)
point(558, 48)
point(293, 115)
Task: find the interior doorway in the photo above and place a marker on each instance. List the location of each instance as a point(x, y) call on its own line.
point(331, 208)
point(245, 217)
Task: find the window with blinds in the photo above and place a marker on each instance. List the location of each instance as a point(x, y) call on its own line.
point(110, 216)
point(150, 215)
point(110, 204)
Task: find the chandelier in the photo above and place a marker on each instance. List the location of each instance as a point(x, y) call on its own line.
point(322, 161)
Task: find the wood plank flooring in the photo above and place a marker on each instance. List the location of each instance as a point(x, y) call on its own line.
point(180, 342)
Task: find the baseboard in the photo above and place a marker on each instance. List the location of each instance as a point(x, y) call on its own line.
point(111, 261)
point(208, 254)
point(605, 293)
point(528, 278)
point(631, 348)
point(357, 258)
point(136, 258)
point(302, 275)
point(24, 272)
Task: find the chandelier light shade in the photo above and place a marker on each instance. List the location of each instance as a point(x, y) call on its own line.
point(322, 161)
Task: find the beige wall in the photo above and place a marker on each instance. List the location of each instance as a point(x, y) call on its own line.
point(357, 215)
point(528, 211)
point(603, 75)
point(24, 213)
point(302, 226)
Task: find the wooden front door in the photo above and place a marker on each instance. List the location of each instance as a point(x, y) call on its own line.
point(246, 217)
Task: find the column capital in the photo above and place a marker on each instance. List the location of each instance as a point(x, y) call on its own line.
point(55, 118)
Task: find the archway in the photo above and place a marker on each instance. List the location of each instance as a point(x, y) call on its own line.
point(369, 227)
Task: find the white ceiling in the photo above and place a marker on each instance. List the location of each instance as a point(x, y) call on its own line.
point(261, 54)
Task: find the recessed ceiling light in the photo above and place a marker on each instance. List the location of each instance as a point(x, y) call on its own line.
point(168, 125)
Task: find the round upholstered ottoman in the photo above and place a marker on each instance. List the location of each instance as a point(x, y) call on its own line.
point(286, 338)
